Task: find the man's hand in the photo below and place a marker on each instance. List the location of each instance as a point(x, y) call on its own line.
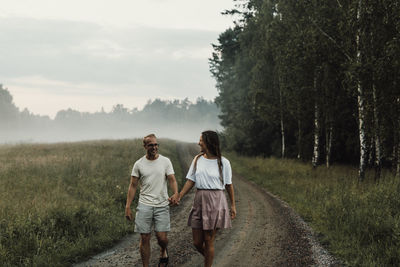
point(128, 214)
point(174, 199)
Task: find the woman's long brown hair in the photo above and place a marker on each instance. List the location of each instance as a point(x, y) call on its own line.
point(211, 140)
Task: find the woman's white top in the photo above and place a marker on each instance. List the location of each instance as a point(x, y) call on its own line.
point(207, 173)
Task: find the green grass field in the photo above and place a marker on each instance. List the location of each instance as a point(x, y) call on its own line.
point(358, 223)
point(62, 202)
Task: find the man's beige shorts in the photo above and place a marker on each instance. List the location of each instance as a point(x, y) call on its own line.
point(147, 215)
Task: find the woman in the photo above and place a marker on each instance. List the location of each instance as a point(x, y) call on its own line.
point(210, 173)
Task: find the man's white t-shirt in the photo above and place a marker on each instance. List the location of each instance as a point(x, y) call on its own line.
point(152, 176)
point(207, 173)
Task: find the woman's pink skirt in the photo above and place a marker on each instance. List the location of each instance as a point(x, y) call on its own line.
point(210, 210)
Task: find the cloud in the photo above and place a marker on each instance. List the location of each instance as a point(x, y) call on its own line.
point(47, 61)
point(86, 52)
point(174, 13)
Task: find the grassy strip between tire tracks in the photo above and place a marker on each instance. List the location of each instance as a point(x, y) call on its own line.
point(62, 202)
point(358, 223)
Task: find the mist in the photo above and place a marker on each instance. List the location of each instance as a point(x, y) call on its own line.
point(174, 119)
point(178, 131)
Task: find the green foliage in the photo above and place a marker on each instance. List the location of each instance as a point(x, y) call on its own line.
point(8, 111)
point(285, 60)
point(358, 223)
point(62, 202)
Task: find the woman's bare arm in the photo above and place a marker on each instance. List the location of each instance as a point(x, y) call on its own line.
point(231, 194)
point(186, 188)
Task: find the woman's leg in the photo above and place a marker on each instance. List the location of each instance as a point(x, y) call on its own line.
point(198, 239)
point(209, 238)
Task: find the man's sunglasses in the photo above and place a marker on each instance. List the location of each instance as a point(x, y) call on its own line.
point(152, 145)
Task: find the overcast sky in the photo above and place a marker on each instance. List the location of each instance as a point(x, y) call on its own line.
point(90, 54)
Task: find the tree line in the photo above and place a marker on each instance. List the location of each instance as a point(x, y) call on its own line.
point(179, 119)
point(314, 80)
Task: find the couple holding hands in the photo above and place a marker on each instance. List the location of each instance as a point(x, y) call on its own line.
point(209, 172)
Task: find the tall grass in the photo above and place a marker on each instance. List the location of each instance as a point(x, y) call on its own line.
point(358, 223)
point(60, 202)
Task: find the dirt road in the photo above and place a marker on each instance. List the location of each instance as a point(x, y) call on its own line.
point(266, 232)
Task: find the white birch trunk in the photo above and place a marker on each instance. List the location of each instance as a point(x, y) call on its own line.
point(316, 137)
point(378, 154)
point(283, 137)
point(361, 129)
point(329, 132)
point(398, 160)
point(361, 104)
point(316, 127)
point(398, 141)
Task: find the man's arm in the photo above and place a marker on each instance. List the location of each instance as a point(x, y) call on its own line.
point(231, 194)
point(174, 187)
point(131, 195)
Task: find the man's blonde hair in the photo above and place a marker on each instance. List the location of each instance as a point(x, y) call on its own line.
point(148, 136)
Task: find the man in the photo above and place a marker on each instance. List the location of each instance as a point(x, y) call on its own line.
point(152, 171)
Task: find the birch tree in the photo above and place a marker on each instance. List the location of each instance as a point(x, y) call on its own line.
point(360, 96)
point(269, 89)
point(316, 125)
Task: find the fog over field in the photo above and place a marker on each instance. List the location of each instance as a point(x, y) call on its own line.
point(174, 119)
point(188, 132)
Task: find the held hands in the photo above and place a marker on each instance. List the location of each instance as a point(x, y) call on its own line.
point(174, 199)
point(128, 214)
